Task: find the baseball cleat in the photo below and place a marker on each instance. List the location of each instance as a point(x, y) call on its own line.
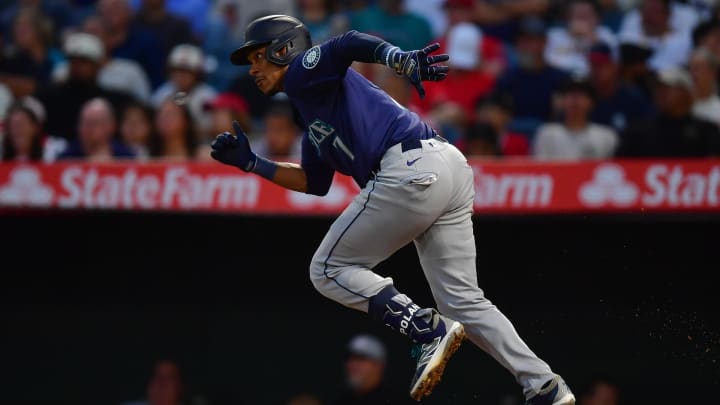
point(432, 357)
point(554, 392)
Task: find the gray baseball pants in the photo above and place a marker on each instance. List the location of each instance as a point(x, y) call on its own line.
point(424, 195)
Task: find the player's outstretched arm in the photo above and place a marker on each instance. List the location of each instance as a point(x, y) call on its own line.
point(234, 150)
point(418, 65)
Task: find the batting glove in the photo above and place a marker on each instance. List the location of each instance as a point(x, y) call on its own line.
point(417, 66)
point(234, 149)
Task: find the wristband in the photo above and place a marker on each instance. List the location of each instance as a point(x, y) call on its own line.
point(264, 167)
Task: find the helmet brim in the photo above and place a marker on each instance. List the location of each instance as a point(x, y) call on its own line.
point(240, 55)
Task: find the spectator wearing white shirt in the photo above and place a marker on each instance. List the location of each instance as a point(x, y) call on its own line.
point(575, 138)
point(665, 26)
point(119, 74)
point(186, 64)
point(703, 69)
point(568, 46)
point(116, 74)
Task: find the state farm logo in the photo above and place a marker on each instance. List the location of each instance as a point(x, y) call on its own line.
point(26, 188)
point(609, 187)
point(514, 190)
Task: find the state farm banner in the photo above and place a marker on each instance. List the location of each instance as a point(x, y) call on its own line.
point(606, 186)
point(502, 187)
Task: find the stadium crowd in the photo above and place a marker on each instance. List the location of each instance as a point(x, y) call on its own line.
point(549, 79)
point(364, 365)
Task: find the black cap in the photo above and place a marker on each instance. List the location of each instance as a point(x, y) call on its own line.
point(532, 26)
point(500, 99)
point(577, 84)
point(631, 53)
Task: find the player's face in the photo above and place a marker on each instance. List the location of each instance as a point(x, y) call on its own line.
point(268, 76)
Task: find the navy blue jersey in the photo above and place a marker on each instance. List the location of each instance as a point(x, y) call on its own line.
point(350, 122)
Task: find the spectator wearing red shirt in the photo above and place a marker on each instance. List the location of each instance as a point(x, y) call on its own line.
point(466, 82)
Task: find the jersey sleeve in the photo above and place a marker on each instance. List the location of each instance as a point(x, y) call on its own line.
point(323, 66)
point(319, 174)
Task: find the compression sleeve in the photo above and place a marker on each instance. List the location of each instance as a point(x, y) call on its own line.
point(323, 66)
point(361, 47)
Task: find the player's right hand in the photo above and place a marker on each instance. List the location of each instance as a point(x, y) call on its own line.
point(234, 149)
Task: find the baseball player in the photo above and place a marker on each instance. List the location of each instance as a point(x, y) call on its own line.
point(415, 187)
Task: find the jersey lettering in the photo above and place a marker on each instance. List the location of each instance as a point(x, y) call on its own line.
point(339, 144)
point(318, 131)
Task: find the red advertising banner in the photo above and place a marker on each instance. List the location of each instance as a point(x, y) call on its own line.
point(501, 187)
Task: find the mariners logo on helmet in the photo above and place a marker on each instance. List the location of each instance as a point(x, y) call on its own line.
point(311, 58)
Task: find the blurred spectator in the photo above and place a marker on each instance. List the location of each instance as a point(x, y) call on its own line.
point(707, 35)
point(58, 12)
point(502, 19)
point(492, 52)
point(432, 11)
point(221, 38)
point(186, 65)
point(532, 83)
point(568, 46)
point(6, 99)
point(122, 40)
point(318, 17)
point(174, 136)
point(281, 139)
point(703, 69)
point(169, 29)
point(245, 87)
point(64, 100)
point(226, 108)
point(304, 399)
point(465, 82)
point(247, 10)
point(136, 128)
point(612, 13)
point(575, 138)
point(480, 139)
point(118, 74)
point(634, 69)
point(96, 130)
point(364, 372)
point(28, 64)
point(24, 137)
point(194, 11)
point(664, 26)
point(497, 110)
point(165, 386)
point(223, 110)
point(388, 20)
point(674, 132)
point(600, 392)
point(616, 103)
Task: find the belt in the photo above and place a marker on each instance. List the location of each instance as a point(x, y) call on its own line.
point(407, 145)
point(411, 144)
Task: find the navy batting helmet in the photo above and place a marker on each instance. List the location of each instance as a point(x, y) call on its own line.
point(275, 32)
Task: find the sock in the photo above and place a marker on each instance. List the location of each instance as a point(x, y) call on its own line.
point(397, 311)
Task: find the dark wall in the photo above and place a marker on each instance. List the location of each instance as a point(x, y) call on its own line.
point(88, 302)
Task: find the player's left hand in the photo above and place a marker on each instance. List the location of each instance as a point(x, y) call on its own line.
point(234, 149)
point(419, 66)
